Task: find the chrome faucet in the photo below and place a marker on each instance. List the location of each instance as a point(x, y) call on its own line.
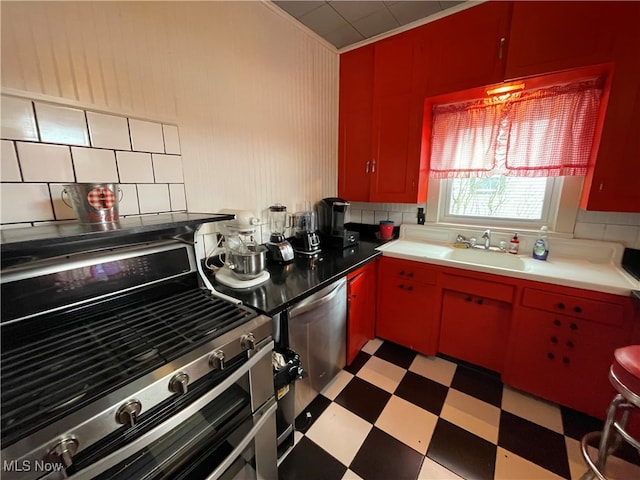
point(487, 239)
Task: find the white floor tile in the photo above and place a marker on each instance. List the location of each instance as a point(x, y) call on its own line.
point(510, 466)
point(335, 386)
point(407, 422)
point(372, 346)
point(435, 368)
point(616, 467)
point(434, 471)
point(532, 408)
point(475, 416)
point(381, 373)
point(349, 475)
point(339, 432)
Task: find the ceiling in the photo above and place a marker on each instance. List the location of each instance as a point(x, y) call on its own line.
point(343, 23)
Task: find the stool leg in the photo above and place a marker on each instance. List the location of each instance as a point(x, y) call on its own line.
point(608, 432)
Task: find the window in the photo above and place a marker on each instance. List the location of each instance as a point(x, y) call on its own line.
point(499, 156)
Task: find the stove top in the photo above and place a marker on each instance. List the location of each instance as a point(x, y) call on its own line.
point(51, 367)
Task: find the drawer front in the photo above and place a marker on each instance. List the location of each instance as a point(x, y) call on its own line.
point(406, 269)
point(479, 288)
point(578, 307)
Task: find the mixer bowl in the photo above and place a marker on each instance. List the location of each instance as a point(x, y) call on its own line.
point(248, 264)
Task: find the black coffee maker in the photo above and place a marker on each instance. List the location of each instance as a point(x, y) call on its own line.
point(331, 215)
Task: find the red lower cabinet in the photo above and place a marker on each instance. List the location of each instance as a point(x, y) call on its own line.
point(474, 329)
point(361, 308)
point(407, 301)
point(563, 357)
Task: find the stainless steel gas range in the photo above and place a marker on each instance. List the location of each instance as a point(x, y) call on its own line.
point(116, 363)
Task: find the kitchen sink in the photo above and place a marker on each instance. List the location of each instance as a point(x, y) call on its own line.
point(489, 259)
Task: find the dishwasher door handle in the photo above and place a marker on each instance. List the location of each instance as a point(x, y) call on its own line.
point(308, 305)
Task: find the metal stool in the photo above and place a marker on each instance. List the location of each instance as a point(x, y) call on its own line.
point(624, 375)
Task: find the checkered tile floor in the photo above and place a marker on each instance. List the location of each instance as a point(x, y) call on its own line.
point(394, 414)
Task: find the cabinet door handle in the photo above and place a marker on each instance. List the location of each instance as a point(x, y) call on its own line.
point(479, 301)
point(565, 360)
point(401, 285)
point(373, 166)
point(556, 322)
point(573, 326)
point(401, 272)
point(366, 168)
point(410, 289)
point(554, 339)
point(560, 306)
point(577, 309)
point(550, 356)
point(410, 274)
point(570, 344)
point(468, 299)
point(503, 41)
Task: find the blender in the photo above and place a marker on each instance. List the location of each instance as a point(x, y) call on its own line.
point(280, 250)
point(306, 240)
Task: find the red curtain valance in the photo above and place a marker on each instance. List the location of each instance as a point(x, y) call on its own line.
point(541, 133)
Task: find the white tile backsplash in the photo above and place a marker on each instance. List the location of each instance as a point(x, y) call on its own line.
point(154, 198)
point(40, 169)
point(9, 169)
point(43, 162)
point(58, 124)
point(25, 202)
point(177, 196)
point(108, 131)
point(380, 215)
point(94, 165)
point(591, 231)
point(167, 168)
point(129, 200)
point(171, 139)
point(625, 234)
point(61, 203)
point(367, 217)
point(18, 120)
point(146, 136)
point(135, 167)
point(396, 217)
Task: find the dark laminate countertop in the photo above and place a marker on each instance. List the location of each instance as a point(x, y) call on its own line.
point(294, 281)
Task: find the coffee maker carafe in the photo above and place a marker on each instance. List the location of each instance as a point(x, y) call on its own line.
point(280, 250)
point(331, 217)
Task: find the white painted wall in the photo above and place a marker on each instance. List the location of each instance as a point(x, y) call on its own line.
point(255, 95)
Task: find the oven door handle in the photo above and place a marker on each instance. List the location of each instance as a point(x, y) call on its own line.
point(227, 462)
point(151, 436)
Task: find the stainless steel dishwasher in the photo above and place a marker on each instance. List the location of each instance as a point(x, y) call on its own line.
point(318, 333)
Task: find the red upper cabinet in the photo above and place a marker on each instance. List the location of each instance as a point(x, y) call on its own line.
point(397, 174)
point(380, 124)
point(553, 36)
point(464, 50)
point(355, 121)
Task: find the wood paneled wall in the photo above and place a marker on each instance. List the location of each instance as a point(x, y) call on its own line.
point(255, 95)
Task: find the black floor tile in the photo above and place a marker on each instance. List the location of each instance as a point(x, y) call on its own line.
point(479, 384)
point(311, 413)
point(462, 452)
point(576, 424)
point(535, 443)
point(396, 354)
point(422, 392)
point(358, 362)
point(382, 457)
point(364, 399)
point(307, 460)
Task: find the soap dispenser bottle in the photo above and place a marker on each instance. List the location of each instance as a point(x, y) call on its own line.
point(541, 245)
point(514, 244)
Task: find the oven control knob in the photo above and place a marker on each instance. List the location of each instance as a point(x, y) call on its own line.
point(179, 383)
point(128, 413)
point(248, 342)
point(216, 360)
point(63, 451)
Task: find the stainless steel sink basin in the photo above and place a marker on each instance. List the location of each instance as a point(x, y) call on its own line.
point(489, 259)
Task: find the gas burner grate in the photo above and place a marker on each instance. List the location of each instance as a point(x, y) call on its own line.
point(75, 357)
